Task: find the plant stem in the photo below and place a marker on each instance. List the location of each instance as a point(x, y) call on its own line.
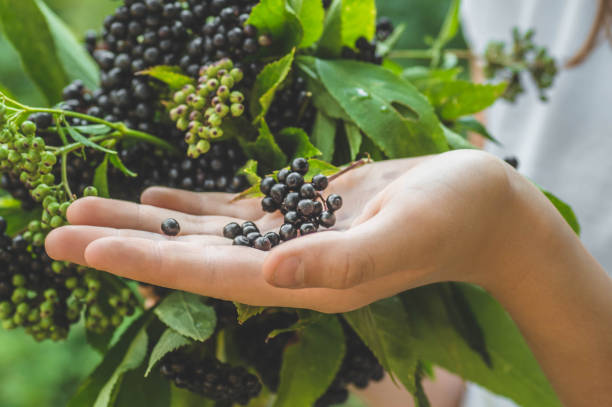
point(65, 175)
point(428, 53)
point(351, 167)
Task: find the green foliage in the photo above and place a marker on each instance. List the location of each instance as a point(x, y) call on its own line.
point(168, 342)
point(464, 125)
point(358, 20)
point(330, 43)
point(310, 365)
point(276, 19)
point(324, 135)
point(265, 149)
point(100, 181)
point(188, 315)
point(295, 143)
point(565, 210)
point(137, 391)
point(170, 75)
point(267, 83)
point(311, 15)
point(246, 312)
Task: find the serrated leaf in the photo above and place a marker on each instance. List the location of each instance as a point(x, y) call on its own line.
point(90, 389)
point(295, 143)
point(353, 135)
point(384, 327)
point(170, 75)
point(330, 43)
point(320, 167)
point(298, 326)
point(168, 342)
point(358, 20)
point(79, 138)
point(75, 59)
point(310, 365)
point(100, 180)
point(324, 135)
point(266, 84)
point(515, 373)
point(118, 164)
point(246, 312)
point(136, 391)
point(453, 99)
point(265, 149)
point(249, 170)
point(564, 209)
point(389, 110)
point(464, 125)
point(275, 19)
point(187, 315)
point(133, 357)
point(455, 141)
point(311, 15)
point(25, 26)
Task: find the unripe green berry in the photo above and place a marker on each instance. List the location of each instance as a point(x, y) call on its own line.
point(204, 132)
point(79, 293)
point(38, 239)
point(90, 191)
point(4, 152)
point(30, 166)
point(14, 157)
point(214, 120)
point(190, 138)
point(64, 208)
point(45, 322)
point(203, 90)
point(237, 74)
point(228, 81)
point(222, 110)
point(18, 319)
point(34, 316)
point(51, 294)
point(6, 310)
point(53, 208)
point(179, 97)
point(216, 132)
point(192, 152)
point(28, 236)
point(48, 200)
point(40, 192)
point(8, 325)
point(23, 309)
point(28, 128)
point(19, 280)
point(237, 109)
point(19, 295)
point(48, 179)
point(203, 146)
point(223, 92)
point(116, 320)
point(182, 124)
point(236, 97)
point(38, 144)
point(212, 84)
point(46, 309)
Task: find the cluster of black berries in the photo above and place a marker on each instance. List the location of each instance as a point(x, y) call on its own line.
point(359, 367)
point(46, 297)
point(210, 378)
point(367, 50)
point(301, 203)
point(292, 107)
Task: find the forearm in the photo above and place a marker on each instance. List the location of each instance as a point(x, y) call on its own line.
point(560, 297)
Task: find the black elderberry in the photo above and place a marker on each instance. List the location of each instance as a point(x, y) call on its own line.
point(334, 202)
point(292, 217)
point(327, 219)
point(278, 192)
point(300, 165)
point(266, 185)
point(318, 209)
point(248, 229)
point(291, 201)
point(251, 237)
point(170, 227)
point(320, 182)
point(308, 191)
point(241, 241)
point(282, 175)
point(294, 181)
point(262, 243)
point(307, 229)
point(269, 205)
point(232, 230)
point(306, 207)
point(274, 238)
point(287, 232)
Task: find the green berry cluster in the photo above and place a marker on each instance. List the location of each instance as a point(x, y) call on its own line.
point(200, 110)
point(524, 56)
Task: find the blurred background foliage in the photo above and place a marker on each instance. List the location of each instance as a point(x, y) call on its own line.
point(36, 375)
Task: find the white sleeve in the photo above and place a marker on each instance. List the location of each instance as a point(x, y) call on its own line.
point(476, 396)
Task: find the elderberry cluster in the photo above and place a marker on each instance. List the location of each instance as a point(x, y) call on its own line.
point(292, 107)
point(210, 378)
point(200, 110)
point(45, 297)
point(301, 203)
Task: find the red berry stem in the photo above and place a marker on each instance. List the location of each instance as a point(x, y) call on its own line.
point(350, 167)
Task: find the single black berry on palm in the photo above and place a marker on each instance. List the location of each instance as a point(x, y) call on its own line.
point(327, 219)
point(170, 227)
point(232, 230)
point(262, 243)
point(288, 232)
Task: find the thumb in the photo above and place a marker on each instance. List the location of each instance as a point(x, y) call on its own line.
point(332, 259)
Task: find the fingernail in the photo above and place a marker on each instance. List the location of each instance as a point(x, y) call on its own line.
point(289, 273)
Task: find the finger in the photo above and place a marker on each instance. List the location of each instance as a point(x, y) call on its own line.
point(68, 243)
point(336, 260)
point(209, 203)
point(128, 215)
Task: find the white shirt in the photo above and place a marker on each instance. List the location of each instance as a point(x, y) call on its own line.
point(564, 144)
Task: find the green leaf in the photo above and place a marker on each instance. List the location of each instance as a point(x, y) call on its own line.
point(136, 391)
point(75, 59)
point(99, 342)
point(383, 48)
point(453, 99)
point(423, 77)
point(249, 170)
point(187, 315)
point(310, 365)
point(93, 129)
point(79, 138)
point(389, 110)
point(276, 19)
point(353, 135)
point(16, 217)
point(301, 324)
point(169, 342)
point(133, 357)
point(330, 43)
point(464, 320)
point(264, 149)
point(324, 135)
point(564, 209)
point(455, 141)
point(358, 20)
point(266, 84)
point(170, 75)
point(384, 326)
point(515, 373)
point(420, 398)
point(368, 148)
point(246, 312)
point(118, 164)
point(450, 27)
point(89, 390)
point(100, 180)
point(295, 143)
point(464, 125)
point(320, 167)
point(25, 27)
point(311, 15)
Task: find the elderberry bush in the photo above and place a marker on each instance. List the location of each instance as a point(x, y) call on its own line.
point(301, 203)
